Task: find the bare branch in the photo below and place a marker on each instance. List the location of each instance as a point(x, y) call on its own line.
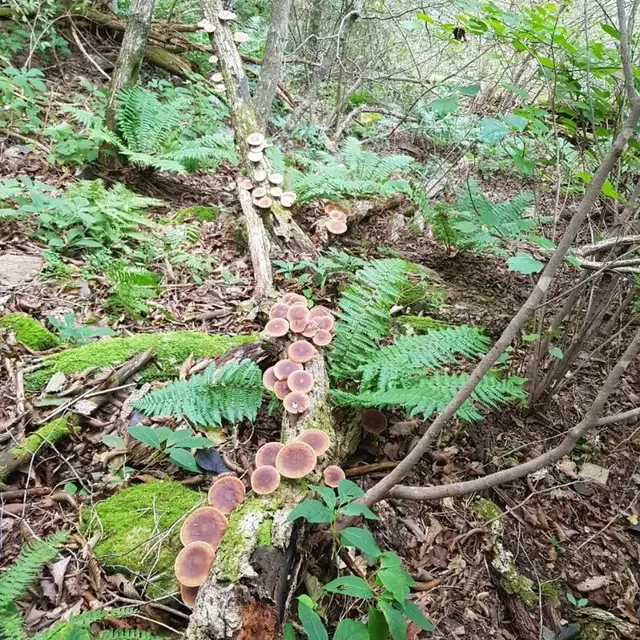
point(625, 54)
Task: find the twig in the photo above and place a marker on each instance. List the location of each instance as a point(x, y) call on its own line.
point(84, 51)
point(363, 469)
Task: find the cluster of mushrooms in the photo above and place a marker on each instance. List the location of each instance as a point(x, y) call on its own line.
point(337, 215)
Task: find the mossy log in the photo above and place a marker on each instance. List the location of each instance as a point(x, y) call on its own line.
point(29, 331)
point(246, 592)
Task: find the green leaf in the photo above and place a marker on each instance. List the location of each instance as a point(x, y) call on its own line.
point(414, 613)
point(395, 620)
point(609, 191)
point(517, 122)
point(556, 353)
point(492, 130)
point(311, 622)
point(327, 493)
point(349, 491)
point(357, 509)
point(70, 488)
point(543, 242)
point(145, 434)
point(183, 459)
point(176, 436)
point(571, 599)
point(289, 633)
point(442, 106)
point(351, 630)
point(392, 581)
point(524, 263)
point(530, 337)
point(163, 433)
point(312, 511)
point(471, 90)
point(360, 539)
point(612, 31)
point(377, 625)
point(573, 261)
point(114, 441)
point(350, 586)
point(389, 559)
point(583, 602)
point(307, 600)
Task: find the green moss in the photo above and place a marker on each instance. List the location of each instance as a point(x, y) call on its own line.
point(421, 324)
point(205, 214)
point(518, 585)
point(550, 590)
point(171, 350)
point(264, 533)
point(50, 432)
point(140, 529)
point(29, 331)
point(486, 509)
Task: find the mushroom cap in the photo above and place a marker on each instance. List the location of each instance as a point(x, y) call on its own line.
point(337, 215)
point(227, 15)
point(300, 381)
point(216, 77)
point(207, 25)
point(193, 563)
point(322, 338)
point(240, 37)
point(202, 22)
point(188, 595)
point(290, 195)
point(335, 206)
point(212, 59)
point(311, 329)
point(284, 368)
point(260, 175)
point(266, 454)
point(281, 389)
point(296, 460)
point(298, 311)
point(325, 322)
point(285, 201)
point(294, 298)
point(298, 326)
point(296, 402)
point(301, 351)
point(205, 525)
point(245, 184)
point(279, 310)
point(373, 421)
point(276, 192)
point(226, 494)
point(336, 226)
point(276, 327)
point(264, 202)
point(276, 178)
point(332, 476)
point(265, 479)
point(258, 147)
point(318, 440)
point(255, 156)
point(269, 378)
point(259, 192)
point(219, 88)
point(318, 311)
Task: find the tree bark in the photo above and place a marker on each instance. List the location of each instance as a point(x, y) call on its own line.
point(273, 60)
point(131, 54)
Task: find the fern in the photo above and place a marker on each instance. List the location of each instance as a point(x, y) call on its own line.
point(127, 634)
point(232, 392)
point(132, 287)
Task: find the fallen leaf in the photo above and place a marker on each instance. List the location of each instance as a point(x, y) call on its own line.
point(56, 382)
point(594, 473)
point(568, 467)
point(58, 571)
point(593, 583)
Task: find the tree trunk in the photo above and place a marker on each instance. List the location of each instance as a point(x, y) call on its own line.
point(131, 54)
point(272, 60)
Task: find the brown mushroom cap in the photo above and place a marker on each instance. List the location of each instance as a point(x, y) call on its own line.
point(337, 215)
point(336, 226)
point(301, 351)
point(276, 178)
point(188, 595)
point(298, 311)
point(296, 402)
point(296, 460)
point(260, 175)
point(265, 479)
point(193, 563)
point(264, 203)
point(325, 322)
point(227, 15)
point(276, 327)
point(276, 192)
point(212, 59)
point(373, 421)
point(284, 368)
point(269, 378)
point(318, 440)
point(281, 389)
point(322, 338)
point(266, 454)
point(318, 311)
point(279, 310)
point(205, 525)
point(298, 326)
point(287, 199)
point(335, 206)
point(259, 192)
point(255, 156)
point(311, 329)
point(240, 37)
point(226, 494)
point(332, 476)
point(294, 298)
point(245, 184)
point(300, 381)
point(254, 139)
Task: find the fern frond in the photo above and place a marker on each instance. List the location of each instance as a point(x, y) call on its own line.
point(232, 392)
point(128, 634)
point(11, 627)
point(77, 627)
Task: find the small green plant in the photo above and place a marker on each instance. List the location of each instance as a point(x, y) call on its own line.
point(131, 288)
point(69, 332)
point(68, 147)
point(386, 591)
point(582, 602)
point(175, 445)
point(21, 91)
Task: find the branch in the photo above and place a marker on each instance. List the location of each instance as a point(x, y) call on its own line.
point(625, 55)
point(590, 420)
point(609, 243)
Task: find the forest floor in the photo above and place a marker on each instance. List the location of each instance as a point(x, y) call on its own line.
point(567, 536)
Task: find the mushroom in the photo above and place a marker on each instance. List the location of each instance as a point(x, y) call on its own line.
point(264, 202)
point(298, 326)
point(325, 322)
point(276, 327)
point(373, 421)
point(311, 329)
point(245, 184)
point(205, 525)
point(216, 77)
point(226, 493)
point(300, 381)
point(255, 156)
point(301, 351)
point(203, 22)
point(240, 37)
point(260, 175)
point(296, 460)
point(318, 440)
point(213, 59)
point(334, 206)
point(281, 389)
point(318, 311)
point(284, 368)
point(227, 15)
point(287, 199)
point(322, 338)
point(188, 595)
point(276, 192)
point(265, 479)
point(266, 454)
point(193, 563)
point(294, 298)
point(298, 311)
point(279, 310)
point(296, 402)
point(276, 178)
point(259, 192)
point(336, 226)
point(332, 476)
point(269, 378)
point(220, 88)
point(258, 148)
point(338, 215)
point(207, 25)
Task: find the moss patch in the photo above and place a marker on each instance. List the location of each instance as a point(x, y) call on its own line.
point(29, 331)
point(264, 533)
point(50, 432)
point(421, 324)
point(171, 350)
point(205, 214)
point(486, 509)
point(140, 530)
